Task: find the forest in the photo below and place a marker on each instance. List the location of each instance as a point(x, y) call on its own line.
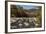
point(19, 11)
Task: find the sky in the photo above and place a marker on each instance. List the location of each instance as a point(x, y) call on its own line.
point(29, 7)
